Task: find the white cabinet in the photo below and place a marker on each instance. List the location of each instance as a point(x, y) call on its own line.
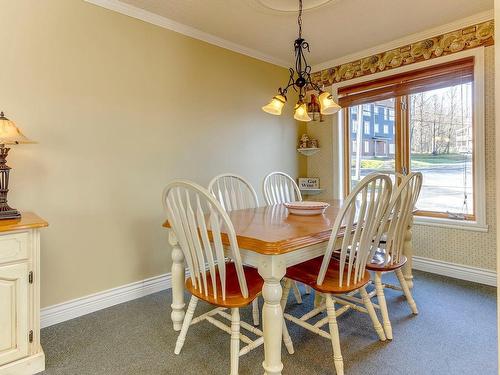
point(20, 350)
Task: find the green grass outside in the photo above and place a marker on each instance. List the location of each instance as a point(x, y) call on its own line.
point(417, 160)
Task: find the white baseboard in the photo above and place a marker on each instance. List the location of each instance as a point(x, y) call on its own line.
point(85, 305)
point(458, 271)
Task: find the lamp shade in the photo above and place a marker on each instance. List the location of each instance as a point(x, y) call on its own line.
point(301, 112)
point(9, 133)
point(275, 106)
point(327, 105)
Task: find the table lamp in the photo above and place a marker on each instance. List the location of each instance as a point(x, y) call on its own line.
point(9, 135)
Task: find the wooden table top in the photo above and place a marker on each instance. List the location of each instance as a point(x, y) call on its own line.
point(28, 220)
point(272, 230)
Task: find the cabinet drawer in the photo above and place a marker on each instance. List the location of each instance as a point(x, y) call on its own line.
point(14, 247)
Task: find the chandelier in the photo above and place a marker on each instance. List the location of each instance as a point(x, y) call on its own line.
point(300, 81)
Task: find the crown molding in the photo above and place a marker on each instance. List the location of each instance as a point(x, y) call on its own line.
point(449, 27)
point(166, 23)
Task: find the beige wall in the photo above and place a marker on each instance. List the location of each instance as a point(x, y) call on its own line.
point(119, 108)
point(465, 247)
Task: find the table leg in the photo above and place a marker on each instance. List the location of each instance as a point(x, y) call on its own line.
point(272, 269)
point(178, 279)
point(408, 252)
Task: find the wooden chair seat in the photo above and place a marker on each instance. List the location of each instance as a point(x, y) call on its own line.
point(380, 257)
point(307, 273)
point(234, 298)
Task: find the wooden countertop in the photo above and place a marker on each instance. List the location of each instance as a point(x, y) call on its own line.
point(28, 220)
point(271, 230)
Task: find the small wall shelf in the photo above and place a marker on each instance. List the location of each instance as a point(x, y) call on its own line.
point(308, 151)
point(311, 191)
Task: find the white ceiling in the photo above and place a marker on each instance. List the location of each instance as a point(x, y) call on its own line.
point(334, 29)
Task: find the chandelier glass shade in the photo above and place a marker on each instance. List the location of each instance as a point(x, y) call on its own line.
point(300, 80)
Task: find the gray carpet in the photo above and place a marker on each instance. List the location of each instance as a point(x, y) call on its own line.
point(455, 333)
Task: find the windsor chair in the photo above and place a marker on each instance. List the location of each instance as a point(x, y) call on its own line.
point(198, 221)
point(388, 256)
point(358, 223)
point(235, 193)
point(278, 187)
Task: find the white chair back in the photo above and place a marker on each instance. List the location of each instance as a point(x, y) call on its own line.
point(359, 219)
point(280, 188)
point(397, 219)
point(197, 220)
point(233, 192)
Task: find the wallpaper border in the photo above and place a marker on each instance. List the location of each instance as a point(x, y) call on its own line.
point(480, 34)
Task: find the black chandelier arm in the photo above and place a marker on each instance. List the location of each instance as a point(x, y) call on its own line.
point(300, 58)
point(313, 85)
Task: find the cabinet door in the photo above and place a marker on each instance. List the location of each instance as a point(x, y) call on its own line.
point(14, 334)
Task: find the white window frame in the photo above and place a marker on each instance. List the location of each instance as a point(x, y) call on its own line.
point(366, 125)
point(478, 136)
point(386, 129)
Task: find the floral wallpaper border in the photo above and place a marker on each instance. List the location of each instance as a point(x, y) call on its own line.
point(466, 38)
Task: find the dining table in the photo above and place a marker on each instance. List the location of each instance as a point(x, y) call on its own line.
point(271, 239)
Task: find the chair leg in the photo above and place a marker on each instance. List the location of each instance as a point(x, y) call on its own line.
point(308, 289)
point(185, 324)
point(286, 336)
point(255, 311)
point(235, 340)
point(296, 292)
point(334, 333)
point(373, 315)
point(406, 291)
point(383, 306)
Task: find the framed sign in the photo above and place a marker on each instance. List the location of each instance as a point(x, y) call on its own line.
point(308, 182)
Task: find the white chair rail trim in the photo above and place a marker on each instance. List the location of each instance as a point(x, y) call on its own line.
point(94, 302)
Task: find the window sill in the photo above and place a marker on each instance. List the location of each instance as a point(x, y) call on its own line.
point(451, 223)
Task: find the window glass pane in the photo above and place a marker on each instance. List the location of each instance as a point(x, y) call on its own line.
point(441, 148)
point(371, 150)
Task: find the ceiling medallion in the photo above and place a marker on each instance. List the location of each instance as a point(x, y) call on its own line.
point(300, 81)
point(291, 5)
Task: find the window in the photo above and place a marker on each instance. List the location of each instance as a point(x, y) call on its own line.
point(354, 126)
point(441, 148)
point(367, 147)
point(376, 129)
point(368, 156)
point(367, 127)
point(433, 132)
